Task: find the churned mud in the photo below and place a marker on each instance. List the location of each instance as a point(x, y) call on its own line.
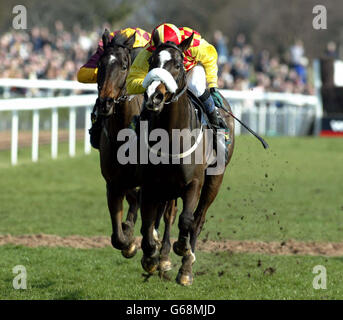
point(290, 247)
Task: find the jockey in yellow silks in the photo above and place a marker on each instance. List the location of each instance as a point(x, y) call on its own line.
point(200, 62)
point(88, 74)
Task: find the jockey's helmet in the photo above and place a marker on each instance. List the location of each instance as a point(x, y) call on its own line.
point(168, 32)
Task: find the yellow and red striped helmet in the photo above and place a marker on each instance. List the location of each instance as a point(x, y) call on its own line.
point(167, 32)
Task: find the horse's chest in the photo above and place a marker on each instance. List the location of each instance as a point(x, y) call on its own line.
point(170, 177)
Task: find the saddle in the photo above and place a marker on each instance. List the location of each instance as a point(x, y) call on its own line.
point(220, 141)
point(198, 105)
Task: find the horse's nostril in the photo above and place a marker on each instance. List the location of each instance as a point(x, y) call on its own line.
point(158, 98)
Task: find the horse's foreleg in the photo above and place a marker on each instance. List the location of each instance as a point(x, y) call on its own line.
point(208, 194)
point(190, 199)
point(182, 245)
point(162, 207)
point(115, 199)
point(149, 210)
point(169, 218)
point(132, 197)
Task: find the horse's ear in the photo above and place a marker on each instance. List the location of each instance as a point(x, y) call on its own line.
point(130, 41)
point(105, 39)
point(156, 38)
point(117, 39)
point(185, 44)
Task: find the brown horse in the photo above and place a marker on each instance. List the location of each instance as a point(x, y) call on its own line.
point(122, 180)
point(186, 180)
point(118, 111)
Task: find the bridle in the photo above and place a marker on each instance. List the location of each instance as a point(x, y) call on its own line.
point(175, 96)
point(122, 97)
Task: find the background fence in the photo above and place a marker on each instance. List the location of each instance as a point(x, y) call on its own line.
point(266, 113)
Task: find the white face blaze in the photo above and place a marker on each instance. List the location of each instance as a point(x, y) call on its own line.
point(164, 56)
point(112, 58)
point(158, 75)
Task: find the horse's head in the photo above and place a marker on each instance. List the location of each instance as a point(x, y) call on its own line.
point(113, 68)
point(166, 74)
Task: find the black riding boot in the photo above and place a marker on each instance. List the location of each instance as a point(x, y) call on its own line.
point(210, 109)
point(213, 118)
point(95, 130)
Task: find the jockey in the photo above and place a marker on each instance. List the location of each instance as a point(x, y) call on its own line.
point(200, 63)
point(88, 74)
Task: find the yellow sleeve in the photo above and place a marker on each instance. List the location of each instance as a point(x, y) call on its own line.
point(137, 73)
point(207, 55)
point(87, 75)
point(142, 37)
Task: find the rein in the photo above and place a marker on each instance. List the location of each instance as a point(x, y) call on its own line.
point(175, 97)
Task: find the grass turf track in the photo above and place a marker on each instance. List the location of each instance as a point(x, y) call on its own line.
point(292, 191)
point(64, 273)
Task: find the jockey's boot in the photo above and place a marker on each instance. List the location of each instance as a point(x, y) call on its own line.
point(220, 139)
point(210, 109)
point(95, 130)
point(211, 112)
point(213, 118)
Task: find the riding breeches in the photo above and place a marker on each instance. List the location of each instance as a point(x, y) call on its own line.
point(196, 80)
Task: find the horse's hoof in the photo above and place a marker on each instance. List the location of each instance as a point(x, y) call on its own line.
point(180, 250)
point(116, 243)
point(165, 265)
point(130, 252)
point(150, 264)
point(184, 279)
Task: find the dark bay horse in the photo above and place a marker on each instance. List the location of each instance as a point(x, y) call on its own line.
point(122, 180)
point(188, 181)
point(118, 111)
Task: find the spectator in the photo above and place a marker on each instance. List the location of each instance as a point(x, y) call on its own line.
point(297, 52)
point(331, 50)
point(263, 72)
point(220, 45)
point(41, 54)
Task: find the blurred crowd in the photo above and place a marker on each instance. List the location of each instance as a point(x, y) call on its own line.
point(242, 68)
point(42, 54)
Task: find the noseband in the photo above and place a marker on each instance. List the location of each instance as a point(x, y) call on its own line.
point(175, 96)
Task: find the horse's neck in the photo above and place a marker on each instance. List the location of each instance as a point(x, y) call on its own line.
point(176, 115)
point(121, 119)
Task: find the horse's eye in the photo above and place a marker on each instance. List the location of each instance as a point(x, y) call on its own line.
point(124, 67)
point(178, 66)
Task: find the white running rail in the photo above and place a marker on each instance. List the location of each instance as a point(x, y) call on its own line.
point(275, 113)
point(37, 104)
point(266, 113)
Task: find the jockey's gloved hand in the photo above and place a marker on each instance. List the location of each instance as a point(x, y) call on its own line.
point(95, 112)
point(218, 100)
